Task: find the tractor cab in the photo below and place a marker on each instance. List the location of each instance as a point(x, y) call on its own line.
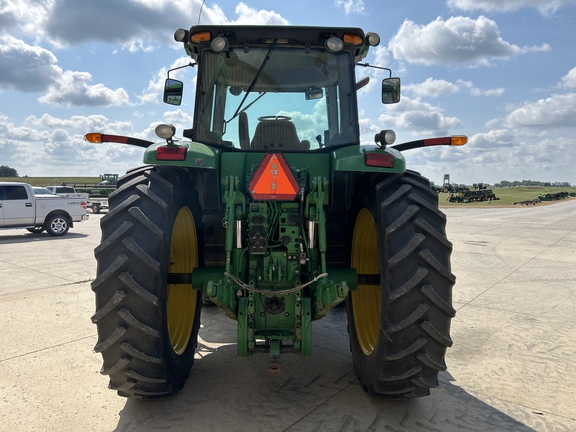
point(276, 88)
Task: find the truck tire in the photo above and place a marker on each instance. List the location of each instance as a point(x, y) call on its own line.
point(399, 330)
point(95, 208)
point(57, 225)
point(148, 329)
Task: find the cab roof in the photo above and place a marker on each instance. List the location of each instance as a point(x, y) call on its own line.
point(285, 36)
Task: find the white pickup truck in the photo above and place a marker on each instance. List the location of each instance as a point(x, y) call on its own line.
point(66, 191)
point(21, 208)
point(96, 202)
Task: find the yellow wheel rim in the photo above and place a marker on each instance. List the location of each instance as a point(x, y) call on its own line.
point(181, 303)
point(366, 298)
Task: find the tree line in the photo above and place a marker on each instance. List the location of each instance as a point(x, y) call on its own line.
point(6, 171)
point(506, 183)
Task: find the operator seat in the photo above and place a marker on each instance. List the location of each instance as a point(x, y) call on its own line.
point(277, 134)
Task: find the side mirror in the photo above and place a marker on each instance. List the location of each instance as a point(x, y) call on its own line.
point(173, 92)
point(390, 90)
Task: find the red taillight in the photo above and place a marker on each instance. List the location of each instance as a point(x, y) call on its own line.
point(383, 160)
point(171, 153)
point(84, 205)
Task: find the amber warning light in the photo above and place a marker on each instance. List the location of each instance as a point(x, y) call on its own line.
point(274, 180)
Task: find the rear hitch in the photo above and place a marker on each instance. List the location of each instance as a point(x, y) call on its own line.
point(275, 353)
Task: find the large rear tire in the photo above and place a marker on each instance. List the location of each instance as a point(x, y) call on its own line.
point(399, 331)
point(147, 329)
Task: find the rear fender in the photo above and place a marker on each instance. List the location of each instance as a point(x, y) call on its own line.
point(349, 163)
point(354, 159)
point(198, 155)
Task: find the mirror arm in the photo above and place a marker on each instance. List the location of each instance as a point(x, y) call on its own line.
point(180, 67)
point(376, 67)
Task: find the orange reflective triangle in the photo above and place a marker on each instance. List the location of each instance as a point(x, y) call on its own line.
point(274, 180)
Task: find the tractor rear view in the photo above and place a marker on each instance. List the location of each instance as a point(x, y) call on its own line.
point(270, 207)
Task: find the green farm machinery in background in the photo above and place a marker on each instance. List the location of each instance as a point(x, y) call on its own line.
point(103, 188)
point(468, 196)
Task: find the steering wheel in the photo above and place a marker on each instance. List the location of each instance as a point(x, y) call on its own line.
point(276, 117)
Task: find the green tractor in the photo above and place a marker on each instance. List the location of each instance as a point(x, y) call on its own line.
point(108, 180)
point(270, 208)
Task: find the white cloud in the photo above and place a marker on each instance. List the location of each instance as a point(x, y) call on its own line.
point(558, 110)
point(180, 119)
point(32, 69)
point(149, 132)
point(545, 7)
point(137, 25)
point(110, 21)
point(350, 6)
point(432, 88)
point(474, 91)
point(438, 87)
point(26, 68)
point(458, 40)
point(569, 81)
point(22, 16)
point(367, 130)
point(79, 124)
point(8, 18)
point(9, 133)
point(381, 56)
point(72, 89)
point(61, 148)
point(492, 140)
point(418, 117)
point(250, 16)
point(48, 146)
point(487, 93)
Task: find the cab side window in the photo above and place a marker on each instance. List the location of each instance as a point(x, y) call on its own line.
point(15, 193)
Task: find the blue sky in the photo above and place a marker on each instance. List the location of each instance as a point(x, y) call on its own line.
point(502, 72)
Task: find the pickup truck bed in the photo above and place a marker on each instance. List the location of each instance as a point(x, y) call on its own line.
point(97, 203)
point(66, 191)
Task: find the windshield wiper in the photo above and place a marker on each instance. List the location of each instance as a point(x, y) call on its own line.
point(251, 86)
point(249, 105)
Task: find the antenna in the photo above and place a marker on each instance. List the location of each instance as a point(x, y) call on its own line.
point(200, 14)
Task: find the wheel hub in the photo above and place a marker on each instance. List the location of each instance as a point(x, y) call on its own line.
point(366, 298)
point(181, 302)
